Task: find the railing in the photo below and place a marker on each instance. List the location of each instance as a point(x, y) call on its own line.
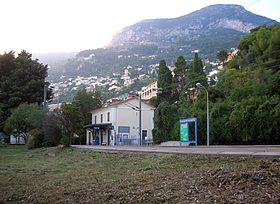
point(134, 142)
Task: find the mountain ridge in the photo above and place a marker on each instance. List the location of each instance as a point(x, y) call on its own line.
point(147, 42)
point(166, 30)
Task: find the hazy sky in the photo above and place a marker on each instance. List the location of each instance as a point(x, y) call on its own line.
point(75, 25)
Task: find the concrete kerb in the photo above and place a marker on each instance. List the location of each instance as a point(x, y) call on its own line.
point(215, 150)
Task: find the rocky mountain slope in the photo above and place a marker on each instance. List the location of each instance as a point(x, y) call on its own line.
point(212, 22)
point(147, 42)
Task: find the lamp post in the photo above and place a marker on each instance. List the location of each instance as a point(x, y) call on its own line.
point(199, 85)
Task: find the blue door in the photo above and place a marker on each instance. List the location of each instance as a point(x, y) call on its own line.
point(96, 141)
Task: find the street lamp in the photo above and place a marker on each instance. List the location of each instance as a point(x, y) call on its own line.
point(199, 85)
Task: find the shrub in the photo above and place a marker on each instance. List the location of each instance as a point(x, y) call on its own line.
point(35, 139)
point(52, 130)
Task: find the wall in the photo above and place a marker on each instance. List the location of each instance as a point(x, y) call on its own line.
point(127, 114)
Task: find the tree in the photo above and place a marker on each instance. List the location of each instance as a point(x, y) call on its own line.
point(97, 102)
point(255, 120)
point(2, 116)
point(219, 117)
point(165, 120)
point(70, 122)
point(250, 106)
point(86, 102)
point(22, 80)
point(246, 42)
point(23, 119)
point(195, 108)
point(178, 82)
point(197, 65)
point(52, 129)
point(222, 56)
point(164, 82)
point(261, 43)
point(154, 101)
point(36, 138)
point(274, 45)
point(274, 51)
point(244, 103)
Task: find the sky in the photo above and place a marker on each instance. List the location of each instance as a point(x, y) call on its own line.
point(45, 26)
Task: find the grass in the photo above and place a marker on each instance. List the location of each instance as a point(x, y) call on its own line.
point(68, 175)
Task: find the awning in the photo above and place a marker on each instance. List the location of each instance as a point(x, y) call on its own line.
point(99, 126)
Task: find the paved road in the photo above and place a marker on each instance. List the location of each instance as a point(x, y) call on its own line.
point(214, 150)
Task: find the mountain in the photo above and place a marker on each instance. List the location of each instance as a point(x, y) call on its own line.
point(217, 24)
point(54, 57)
point(147, 42)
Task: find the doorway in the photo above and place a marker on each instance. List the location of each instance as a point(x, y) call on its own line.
point(144, 137)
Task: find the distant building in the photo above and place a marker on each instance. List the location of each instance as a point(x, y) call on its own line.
point(90, 88)
point(118, 123)
point(16, 140)
point(55, 106)
point(233, 52)
point(149, 91)
point(213, 75)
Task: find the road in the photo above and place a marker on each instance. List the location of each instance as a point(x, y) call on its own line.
point(255, 150)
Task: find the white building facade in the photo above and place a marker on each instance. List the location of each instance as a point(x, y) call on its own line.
point(149, 91)
point(118, 124)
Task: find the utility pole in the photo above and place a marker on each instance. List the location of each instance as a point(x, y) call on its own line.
point(140, 118)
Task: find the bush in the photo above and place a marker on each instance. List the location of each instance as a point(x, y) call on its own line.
point(52, 130)
point(165, 119)
point(35, 139)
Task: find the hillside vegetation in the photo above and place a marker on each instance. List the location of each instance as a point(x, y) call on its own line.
point(244, 103)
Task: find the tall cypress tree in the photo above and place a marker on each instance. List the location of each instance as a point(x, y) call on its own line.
point(179, 77)
point(164, 82)
point(197, 64)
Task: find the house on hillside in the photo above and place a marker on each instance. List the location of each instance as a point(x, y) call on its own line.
point(149, 91)
point(118, 123)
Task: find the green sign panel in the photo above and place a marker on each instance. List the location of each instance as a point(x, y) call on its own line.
point(184, 132)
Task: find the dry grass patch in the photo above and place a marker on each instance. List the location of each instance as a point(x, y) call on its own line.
point(62, 175)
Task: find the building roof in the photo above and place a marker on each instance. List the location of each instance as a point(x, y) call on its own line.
point(125, 101)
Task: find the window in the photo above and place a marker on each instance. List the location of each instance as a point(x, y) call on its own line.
point(123, 129)
point(108, 116)
point(95, 119)
point(101, 118)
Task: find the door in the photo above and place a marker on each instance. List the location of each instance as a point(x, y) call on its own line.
point(125, 139)
point(144, 137)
